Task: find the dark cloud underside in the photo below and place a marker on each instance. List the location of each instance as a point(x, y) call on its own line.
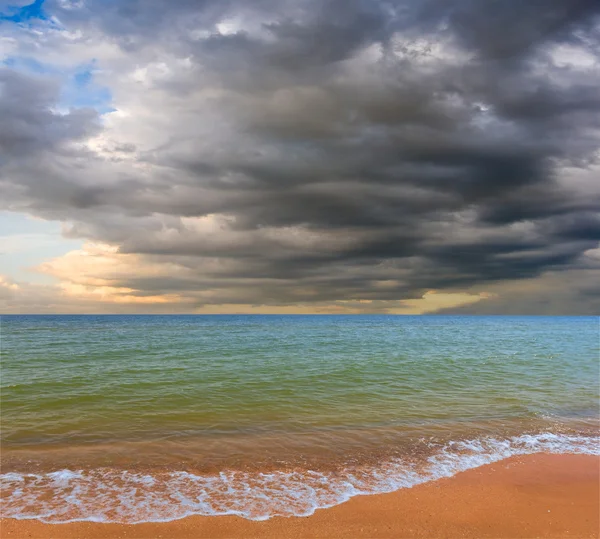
point(324, 150)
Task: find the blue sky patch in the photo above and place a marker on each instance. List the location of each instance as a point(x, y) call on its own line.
point(26, 242)
point(82, 91)
point(20, 14)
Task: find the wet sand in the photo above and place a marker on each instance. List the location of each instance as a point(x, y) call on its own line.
point(530, 496)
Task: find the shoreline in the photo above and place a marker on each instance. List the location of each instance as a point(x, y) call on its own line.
point(539, 495)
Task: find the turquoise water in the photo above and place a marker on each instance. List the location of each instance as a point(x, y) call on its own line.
point(278, 406)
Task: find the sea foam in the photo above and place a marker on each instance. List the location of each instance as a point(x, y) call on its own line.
point(108, 495)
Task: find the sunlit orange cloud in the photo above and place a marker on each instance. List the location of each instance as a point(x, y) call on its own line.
point(92, 273)
point(7, 285)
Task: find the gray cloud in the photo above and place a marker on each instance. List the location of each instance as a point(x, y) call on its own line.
point(329, 146)
point(28, 123)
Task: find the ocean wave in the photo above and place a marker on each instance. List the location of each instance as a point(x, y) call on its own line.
point(107, 495)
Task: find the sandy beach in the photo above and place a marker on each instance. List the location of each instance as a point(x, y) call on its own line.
point(530, 496)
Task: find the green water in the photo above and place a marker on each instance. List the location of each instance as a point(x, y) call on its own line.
point(217, 393)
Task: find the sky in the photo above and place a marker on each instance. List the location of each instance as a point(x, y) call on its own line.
point(305, 156)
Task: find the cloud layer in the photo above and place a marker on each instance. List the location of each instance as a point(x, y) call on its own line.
point(322, 153)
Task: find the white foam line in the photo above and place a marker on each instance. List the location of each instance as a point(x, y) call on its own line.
point(129, 497)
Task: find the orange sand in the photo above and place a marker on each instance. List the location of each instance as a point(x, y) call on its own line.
point(533, 496)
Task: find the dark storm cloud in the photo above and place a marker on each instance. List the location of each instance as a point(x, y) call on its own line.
point(511, 29)
point(424, 143)
point(28, 124)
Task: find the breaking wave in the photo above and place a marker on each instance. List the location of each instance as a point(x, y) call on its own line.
point(108, 495)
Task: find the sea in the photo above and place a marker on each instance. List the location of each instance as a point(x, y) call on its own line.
point(153, 418)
